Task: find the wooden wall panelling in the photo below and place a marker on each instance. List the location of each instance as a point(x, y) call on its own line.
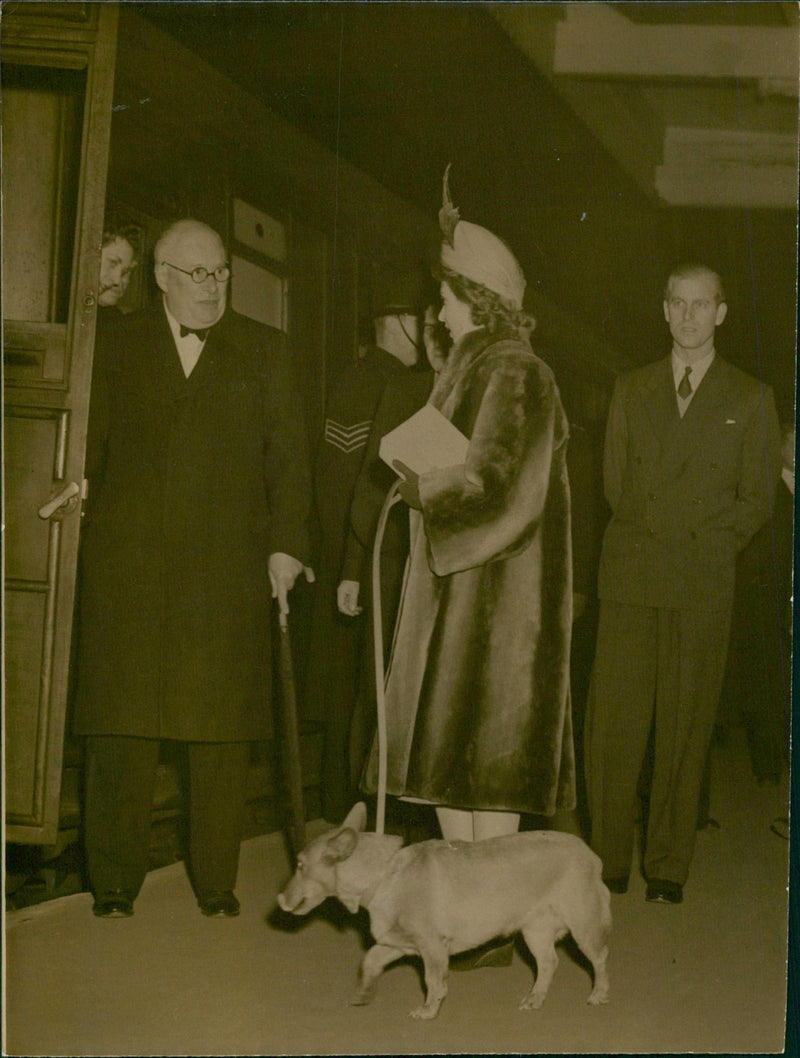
point(308, 318)
point(343, 289)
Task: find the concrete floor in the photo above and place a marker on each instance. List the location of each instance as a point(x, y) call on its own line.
point(707, 976)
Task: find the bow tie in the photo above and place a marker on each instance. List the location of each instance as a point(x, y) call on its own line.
point(202, 334)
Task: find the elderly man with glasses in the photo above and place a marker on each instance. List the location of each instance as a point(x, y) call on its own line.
point(197, 513)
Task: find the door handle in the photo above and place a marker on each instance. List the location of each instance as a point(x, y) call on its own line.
point(63, 503)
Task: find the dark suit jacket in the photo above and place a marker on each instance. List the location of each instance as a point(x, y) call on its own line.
point(686, 493)
point(193, 483)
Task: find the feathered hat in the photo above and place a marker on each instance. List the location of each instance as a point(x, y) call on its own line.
point(475, 253)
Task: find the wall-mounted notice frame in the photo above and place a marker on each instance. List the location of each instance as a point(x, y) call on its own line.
point(256, 230)
point(258, 293)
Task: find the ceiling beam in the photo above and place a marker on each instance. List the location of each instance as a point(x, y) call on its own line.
point(630, 130)
point(599, 61)
point(595, 40)
point(721, 167)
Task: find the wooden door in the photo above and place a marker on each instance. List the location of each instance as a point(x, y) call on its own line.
point(57, 74)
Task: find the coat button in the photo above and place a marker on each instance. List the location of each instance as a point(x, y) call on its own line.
point(651, 495)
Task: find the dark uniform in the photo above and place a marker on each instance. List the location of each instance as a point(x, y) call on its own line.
point(334, 655)
point(403, 396)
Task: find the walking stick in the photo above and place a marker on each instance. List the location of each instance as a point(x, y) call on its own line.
point(377, 636)
point(292, 769)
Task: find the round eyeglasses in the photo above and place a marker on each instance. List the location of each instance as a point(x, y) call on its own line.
point(200, 274)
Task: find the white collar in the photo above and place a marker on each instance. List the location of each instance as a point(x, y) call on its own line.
point(699, 368)
point(188, 346)
point(186, 341)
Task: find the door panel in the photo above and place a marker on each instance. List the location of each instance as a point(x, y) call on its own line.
point(42, 111)
point(34, 455)
point(34, 351)
point(58, 68)
point(26, 621)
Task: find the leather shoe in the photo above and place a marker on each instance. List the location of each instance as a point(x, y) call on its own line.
point(492, 954)
point(661, 891)
point(219, 904)
point(617, 885)
point(116, 903)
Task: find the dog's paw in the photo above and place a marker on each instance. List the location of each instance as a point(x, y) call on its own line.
point(361, 998)
point(598, 997)
point(424, 1012)
point(532, 1001)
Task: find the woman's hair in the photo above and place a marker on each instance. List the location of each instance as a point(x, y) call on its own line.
point(114, 227)
point(488, 309)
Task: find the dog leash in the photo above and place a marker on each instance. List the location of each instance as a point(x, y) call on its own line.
point(392, 497)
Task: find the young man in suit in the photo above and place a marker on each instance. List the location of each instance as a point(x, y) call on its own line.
point(199, 489)
point(692, 456)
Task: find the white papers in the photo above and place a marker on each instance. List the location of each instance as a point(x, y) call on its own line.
point(427, 441)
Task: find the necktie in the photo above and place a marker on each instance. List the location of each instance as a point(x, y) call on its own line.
point(685, 386)
point(202, 334)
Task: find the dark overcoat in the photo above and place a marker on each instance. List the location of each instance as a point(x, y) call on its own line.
point(477, 694)
point(193, 483)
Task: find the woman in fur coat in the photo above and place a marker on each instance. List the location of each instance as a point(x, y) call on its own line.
point(477, 693)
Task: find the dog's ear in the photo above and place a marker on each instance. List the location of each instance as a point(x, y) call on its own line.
point(356, 817)
point(341, 845)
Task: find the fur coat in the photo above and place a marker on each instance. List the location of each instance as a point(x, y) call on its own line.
point(477, 693)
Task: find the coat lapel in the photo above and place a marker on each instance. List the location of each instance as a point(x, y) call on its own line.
point(710, 397)
point(449, 386)
point(702, 415)
point(451, 379)
point(661, 403)
point(205, 369)
point(166, 362)
point(161, 374)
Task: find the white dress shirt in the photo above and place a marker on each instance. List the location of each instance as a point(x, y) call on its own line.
point(189, 346)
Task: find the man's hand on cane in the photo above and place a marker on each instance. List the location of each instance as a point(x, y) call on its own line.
point(283, 572)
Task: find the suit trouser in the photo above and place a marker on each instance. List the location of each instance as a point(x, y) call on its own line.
point(662, 668)
point(120, 776)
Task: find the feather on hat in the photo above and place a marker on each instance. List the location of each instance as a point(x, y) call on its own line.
point(475, 253)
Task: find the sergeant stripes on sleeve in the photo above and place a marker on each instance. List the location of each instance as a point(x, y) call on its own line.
point(347, 438)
